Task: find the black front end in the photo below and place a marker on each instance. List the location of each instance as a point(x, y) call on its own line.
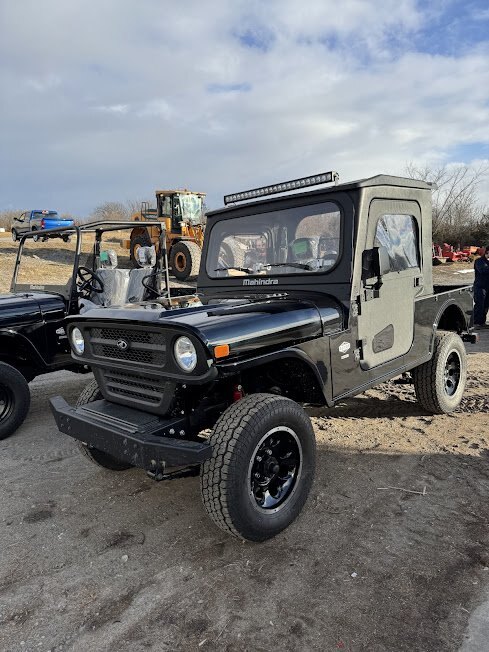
point(144, 416)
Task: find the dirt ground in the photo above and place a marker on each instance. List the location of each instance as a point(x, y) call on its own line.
point(389, 555)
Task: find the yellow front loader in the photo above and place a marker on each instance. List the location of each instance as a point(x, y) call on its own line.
point(183, 213)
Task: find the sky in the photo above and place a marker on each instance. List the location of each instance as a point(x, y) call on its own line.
point(107, 100)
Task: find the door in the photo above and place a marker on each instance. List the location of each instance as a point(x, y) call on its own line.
point(20, 224)
point(386, 305)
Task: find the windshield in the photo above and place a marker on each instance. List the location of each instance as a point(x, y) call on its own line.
point(191, 207)
point(48, 263)
point(298, 240)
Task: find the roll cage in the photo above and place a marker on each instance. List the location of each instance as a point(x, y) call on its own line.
point(69, 292)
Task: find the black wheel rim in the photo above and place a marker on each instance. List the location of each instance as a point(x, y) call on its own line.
point(275, 469)
point(452, 373)
point(6, 402)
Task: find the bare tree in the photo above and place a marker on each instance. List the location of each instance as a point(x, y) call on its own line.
point(113, 211)
point(456, 207)
point(134, 205)
point(6, 217)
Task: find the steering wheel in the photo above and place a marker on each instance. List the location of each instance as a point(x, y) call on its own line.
point(90, 282)
point(146, 280)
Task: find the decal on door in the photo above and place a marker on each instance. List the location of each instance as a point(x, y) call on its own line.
point(344, 347)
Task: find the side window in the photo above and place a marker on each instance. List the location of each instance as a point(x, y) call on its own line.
point(399, 235)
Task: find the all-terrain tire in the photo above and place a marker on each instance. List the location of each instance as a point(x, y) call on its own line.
point(227, 478)
point(136, 242)
point(15, 399)
point(15, 237)
point(185, 259)
point(106, 461)
point(440, 382)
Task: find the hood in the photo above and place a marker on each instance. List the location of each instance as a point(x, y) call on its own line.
point(245, 326)
point(21, 306)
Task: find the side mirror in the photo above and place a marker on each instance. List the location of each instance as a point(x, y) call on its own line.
point(375, 263)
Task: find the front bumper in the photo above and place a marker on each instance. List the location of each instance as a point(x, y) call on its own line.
point(141, 439)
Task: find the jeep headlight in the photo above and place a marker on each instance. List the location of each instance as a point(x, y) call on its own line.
point(77, 341)
point(185, 354)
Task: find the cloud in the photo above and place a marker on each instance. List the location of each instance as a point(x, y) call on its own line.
point(114, 108)
point(109, 100)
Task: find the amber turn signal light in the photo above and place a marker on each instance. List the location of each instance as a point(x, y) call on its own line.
point(221, 350)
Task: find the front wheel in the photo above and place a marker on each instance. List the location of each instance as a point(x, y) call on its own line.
point(15, 399)
point(92, 393)
point(440, 382)
point(14, 235)
point(262, 466)
point(185, 259)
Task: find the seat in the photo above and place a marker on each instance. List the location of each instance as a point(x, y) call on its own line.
point(121, 286)
point(136, 291)
point(116, 283)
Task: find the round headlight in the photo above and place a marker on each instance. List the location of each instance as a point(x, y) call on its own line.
point(185, 354)
point(77, 341)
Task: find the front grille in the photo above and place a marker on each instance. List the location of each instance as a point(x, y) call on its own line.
point(144, 347)
point(135, 387)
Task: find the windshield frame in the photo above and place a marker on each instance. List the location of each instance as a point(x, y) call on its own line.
point(65, 290)
point(305, 274)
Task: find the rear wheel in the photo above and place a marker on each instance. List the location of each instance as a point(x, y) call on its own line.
point(262, 466)
point(92, 393)
point(185, 259)
point(15, 399)
point(35, 237)
point(440, 382)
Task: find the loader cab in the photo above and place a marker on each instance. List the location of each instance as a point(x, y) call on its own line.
point(180, 207)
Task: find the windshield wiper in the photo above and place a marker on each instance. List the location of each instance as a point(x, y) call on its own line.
point(297, 265)
point(238, 269)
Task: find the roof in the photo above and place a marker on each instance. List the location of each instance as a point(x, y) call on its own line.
point(377, 180)
point(180, 192)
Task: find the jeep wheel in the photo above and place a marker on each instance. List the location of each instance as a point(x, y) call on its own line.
point(440, 382)
point(14, 235)
point(89, 394)
point(15, 399)
point(185, 259)
point(262, 466)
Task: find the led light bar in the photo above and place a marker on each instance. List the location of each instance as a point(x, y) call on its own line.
point(296, 184)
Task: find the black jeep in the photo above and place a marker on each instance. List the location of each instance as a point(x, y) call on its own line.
point(328, 293)
point(71, 270)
